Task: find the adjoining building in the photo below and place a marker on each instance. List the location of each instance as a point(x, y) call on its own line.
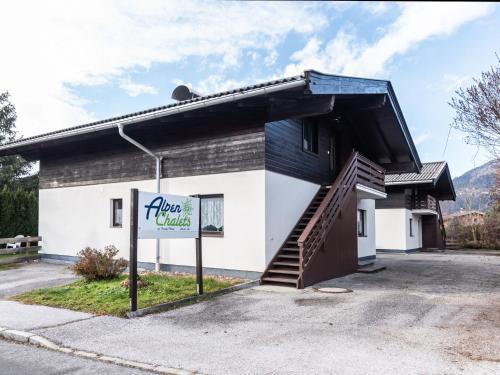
point(289, 172)
point(464, 218)
point(410, 218)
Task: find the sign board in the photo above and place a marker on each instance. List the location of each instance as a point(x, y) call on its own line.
point(167, 216)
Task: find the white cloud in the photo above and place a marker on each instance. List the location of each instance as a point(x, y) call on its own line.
point(271, 58)
point(452, 82)
point(136, 89)
point(49, 46)
point(347, 54)
point(217, 83)
point(421, 137)
point(376, 8)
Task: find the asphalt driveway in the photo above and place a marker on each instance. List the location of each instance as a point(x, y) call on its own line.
point(31, 276)
point(425, 314)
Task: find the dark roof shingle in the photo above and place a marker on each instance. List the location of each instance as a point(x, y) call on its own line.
point(429, 174)
point(161, 108)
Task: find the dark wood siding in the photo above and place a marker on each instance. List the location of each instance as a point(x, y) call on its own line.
point(284, 152)
point(395, 200)
point(431, 234)
point(203, 149)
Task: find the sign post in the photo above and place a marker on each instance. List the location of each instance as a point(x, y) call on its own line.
point(154, 215)
point(132, 266)
point(199, 266)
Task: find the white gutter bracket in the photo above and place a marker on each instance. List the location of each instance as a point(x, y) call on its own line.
point(158, 159)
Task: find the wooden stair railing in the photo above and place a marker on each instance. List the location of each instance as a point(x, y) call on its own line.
point(283, 269)
point(441, 223)
point(314, 235)
point(309, 234)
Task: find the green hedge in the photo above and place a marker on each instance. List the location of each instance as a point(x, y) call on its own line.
point(18, 212)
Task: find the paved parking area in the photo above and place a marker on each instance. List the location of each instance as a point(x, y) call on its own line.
point(425, 314)
point(27, 277)
point(32, 276)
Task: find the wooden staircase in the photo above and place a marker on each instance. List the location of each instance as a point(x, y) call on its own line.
point(452, 244)
point(443, 244)
point(307, 239)
point(284, 267)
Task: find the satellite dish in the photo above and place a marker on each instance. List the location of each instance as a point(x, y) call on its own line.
point(183, 92)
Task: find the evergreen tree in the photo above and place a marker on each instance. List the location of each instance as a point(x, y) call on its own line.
point(12, 168)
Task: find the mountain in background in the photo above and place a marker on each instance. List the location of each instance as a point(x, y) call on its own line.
point(473, 189)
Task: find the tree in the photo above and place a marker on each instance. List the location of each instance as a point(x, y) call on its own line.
point(478, 110)
point(491, 227)
point(12, 168)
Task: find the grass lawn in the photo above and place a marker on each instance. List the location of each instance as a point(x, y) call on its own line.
point(109, 297)
point(18, 255)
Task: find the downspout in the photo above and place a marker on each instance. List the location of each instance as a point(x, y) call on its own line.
point(158, 172)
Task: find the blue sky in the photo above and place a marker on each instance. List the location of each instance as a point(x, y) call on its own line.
point(75, 62)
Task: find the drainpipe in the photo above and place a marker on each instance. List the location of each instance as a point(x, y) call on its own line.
point(158, 171)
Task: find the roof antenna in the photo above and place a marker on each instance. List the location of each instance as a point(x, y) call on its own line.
point(182, 92)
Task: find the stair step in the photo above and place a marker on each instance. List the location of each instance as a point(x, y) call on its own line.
point(287, 256)
point(283, 271)
point(285, 280)
point(292, 244)
point(287, 264)
point(290, 249)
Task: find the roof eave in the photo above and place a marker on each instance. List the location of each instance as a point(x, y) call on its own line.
point(211, 101)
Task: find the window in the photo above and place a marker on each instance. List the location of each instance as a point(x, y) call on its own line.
point(411, 227)
point(361, 223)
point(116, 213)
point(310, 136)
point(212, 215)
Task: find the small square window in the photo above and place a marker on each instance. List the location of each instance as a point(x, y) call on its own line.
point(212, 214)
point(310, 135)
point(361, 223)
point(116, 213)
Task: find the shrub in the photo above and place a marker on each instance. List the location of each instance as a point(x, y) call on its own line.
point(99, 264)
point(491, 227)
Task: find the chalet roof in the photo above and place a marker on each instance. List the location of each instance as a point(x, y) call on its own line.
point(154, 110)
point(435, 176)
point(429, 174)
point(390, 139)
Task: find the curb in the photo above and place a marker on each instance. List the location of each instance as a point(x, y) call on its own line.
point(190, 300)
point(40, 341)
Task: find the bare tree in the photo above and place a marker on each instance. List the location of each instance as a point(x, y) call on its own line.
point(478, 110)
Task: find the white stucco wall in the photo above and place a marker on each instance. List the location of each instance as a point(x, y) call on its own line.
point(393, 229)
point(414, 242)
point(390, 229)
point(286, 200)
point(75, 217)
point(366, 245)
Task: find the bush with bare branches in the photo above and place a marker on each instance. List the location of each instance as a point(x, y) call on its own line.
point(96, 264)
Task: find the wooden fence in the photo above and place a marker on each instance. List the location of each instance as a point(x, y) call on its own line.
point(27, 251)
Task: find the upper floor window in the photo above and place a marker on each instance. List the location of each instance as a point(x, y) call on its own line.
point(116, 212)
point(361, 223)
point(310, 135)
point(212, 214)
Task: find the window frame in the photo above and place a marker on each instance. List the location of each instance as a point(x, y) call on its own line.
point(112, 211)
point(314, 123)
point(362, 215)
point(211, 233)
